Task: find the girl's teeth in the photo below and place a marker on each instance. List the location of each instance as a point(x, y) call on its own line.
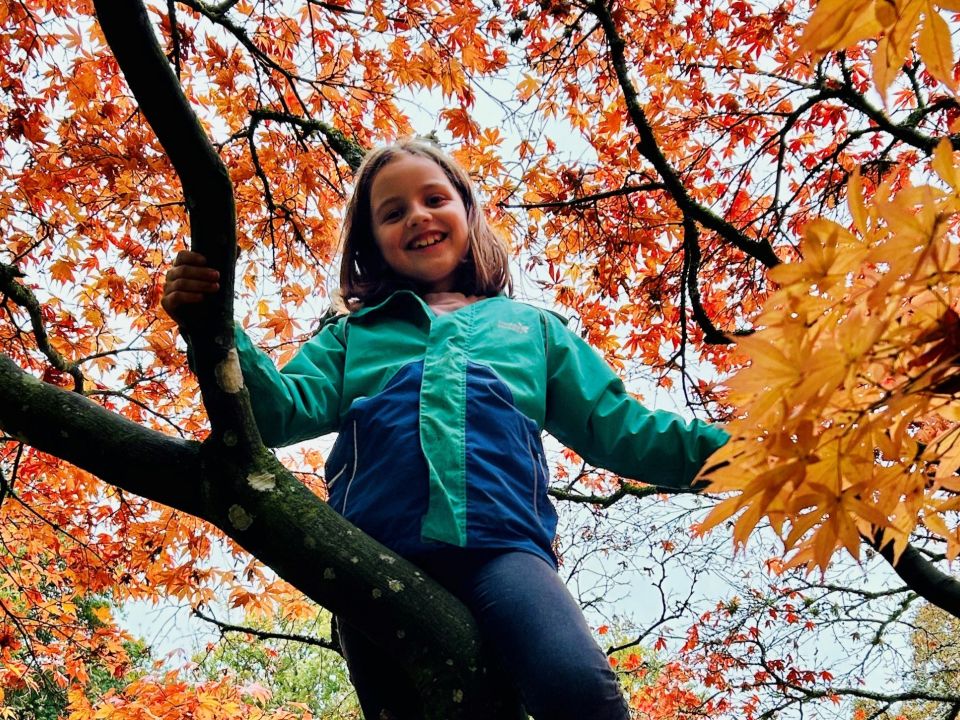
point(425, 242)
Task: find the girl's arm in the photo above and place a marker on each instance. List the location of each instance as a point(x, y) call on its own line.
point(590, 411)
point(302, 400)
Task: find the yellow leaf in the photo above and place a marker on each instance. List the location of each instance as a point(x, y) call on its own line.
point(886, 12)
point(62, 270)
point(935, 47)
point(847, 534)
point(527, 87)
point(800, 526)
point(883, 70)
point(893, 48)
point(858, 209)
point(836, 24)
point(947, 451)
point(720, 513)
point(935, 524)
point(943, 164)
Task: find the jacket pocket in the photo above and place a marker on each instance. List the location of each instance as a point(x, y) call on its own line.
point(538, 471)
point(338, 487)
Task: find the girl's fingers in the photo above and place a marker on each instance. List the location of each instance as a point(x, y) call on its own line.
point(192, 272)
point(176, 299)
point(190, 285)
point(186, 257)
point(187, 283)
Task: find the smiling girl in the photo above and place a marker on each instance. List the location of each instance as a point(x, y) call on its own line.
point(440, 386)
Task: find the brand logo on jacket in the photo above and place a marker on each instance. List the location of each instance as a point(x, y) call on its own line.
point(513, 327)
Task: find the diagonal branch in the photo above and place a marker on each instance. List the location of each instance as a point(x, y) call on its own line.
point(921, 575)
point(649, 147)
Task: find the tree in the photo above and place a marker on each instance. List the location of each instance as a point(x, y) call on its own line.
point(710, 144)
point(282, 664)
point(933, 674)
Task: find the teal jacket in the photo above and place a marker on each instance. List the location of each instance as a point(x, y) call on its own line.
point(440, 420)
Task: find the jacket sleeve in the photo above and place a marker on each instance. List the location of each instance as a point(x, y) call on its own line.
point(589, 410)
point(301, 400)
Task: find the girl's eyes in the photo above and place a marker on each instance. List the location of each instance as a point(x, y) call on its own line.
point(396, 213)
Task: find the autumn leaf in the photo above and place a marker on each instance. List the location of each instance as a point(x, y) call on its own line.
point(839, 23)
point(935, 47)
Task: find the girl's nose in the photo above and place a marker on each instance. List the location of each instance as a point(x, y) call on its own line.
point(418, 214)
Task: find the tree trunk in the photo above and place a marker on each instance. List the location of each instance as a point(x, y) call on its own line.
point(232, 480)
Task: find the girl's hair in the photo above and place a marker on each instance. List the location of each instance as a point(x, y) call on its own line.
point(365, 277)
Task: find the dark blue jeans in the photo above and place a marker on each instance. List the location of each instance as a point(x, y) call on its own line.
point(534, 627)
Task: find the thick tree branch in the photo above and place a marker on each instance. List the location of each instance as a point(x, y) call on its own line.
point(278, 520)
point(108, 445)
point(921, 575)
point(208, 194)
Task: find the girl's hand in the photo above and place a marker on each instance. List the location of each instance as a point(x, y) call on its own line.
point(188, 282)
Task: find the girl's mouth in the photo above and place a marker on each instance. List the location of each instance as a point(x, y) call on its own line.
point(425, 240)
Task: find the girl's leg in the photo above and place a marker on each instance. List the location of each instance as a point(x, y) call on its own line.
point(382, 688)
point(540, 636)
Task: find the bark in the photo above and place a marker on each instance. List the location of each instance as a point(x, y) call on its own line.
point(231, 480)
point(921, 575)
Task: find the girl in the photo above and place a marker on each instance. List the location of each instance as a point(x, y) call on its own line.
point(440, 385)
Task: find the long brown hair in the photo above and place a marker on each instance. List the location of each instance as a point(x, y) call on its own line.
point(365, 277)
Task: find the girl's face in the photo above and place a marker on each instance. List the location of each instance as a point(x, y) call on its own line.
point(419, 222)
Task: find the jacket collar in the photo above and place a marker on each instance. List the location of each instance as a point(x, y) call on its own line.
point(392, 299)
point(399, 297)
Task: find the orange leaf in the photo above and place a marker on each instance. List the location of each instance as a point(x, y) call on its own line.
point(935, 47)
point(837, 24)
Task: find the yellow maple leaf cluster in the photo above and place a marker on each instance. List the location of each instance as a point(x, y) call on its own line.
point(849, 418)
point(838, 24)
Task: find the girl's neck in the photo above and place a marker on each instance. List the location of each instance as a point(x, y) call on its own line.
point(446, 302)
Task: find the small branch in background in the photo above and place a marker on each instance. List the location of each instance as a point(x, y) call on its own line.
point(226, 627)
point(626, 489)
point(140, 404)
point(347, 149)
point(174, 35)
point(21, 295)
point(584, 199)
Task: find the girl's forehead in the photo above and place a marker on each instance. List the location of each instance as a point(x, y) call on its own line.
point(405, 171)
